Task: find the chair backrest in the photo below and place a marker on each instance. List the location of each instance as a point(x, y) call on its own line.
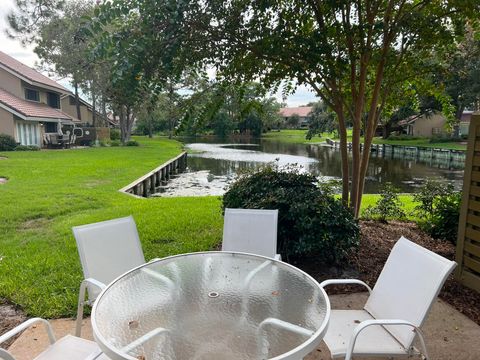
point(250, 230)
point(407, 287)
point(107, 249)
point(53, 139)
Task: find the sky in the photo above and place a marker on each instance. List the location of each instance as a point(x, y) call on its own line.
point(302, 96)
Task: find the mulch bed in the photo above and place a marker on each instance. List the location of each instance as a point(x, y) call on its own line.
point(10, 316)
point(377, 239)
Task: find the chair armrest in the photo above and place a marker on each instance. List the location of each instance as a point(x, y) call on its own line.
point(344, 282)
point(18, 329)
point(95, 283)
point(278, 257)
point(381, 322)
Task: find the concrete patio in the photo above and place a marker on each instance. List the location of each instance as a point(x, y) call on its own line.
point(449, 334)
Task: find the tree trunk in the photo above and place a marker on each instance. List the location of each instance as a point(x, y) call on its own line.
point(342, 133)
point(77, 100)
point(94, 108)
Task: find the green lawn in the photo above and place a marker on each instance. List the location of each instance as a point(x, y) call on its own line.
point(298, 136)
point(50, 191)
point(293, 136)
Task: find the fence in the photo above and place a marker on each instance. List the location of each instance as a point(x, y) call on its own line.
point(150, 182)
point(468, 241)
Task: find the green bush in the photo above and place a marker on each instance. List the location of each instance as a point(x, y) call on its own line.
point(388, 206)
point(439, 210)
point(114, 134)
point(7, 143)
point(115, 143)
point(27, 148)
point(132, 143)
point(310, 222)
point(444, 220)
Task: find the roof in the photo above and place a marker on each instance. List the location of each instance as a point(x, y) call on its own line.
point(302, 111)
point(28, 74)
point(30, 109)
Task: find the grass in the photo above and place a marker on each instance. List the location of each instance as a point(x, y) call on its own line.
point(406, 199)
point(293, 136)
point(48, 192)
point(298, 136)
point(423, 142)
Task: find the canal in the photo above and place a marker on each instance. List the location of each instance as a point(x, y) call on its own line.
point(214, 163)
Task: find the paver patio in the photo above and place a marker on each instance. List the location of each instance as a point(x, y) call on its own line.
point(449, 334)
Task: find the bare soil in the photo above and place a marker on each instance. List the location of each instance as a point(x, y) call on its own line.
point(10, 316)
point(3, 180)
point(377, 240)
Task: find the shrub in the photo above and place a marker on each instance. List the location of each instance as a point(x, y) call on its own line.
point(27, 148)
point(310, 222)
point(439, 210)
point(132, 143)
point(388, 206)
point(7, 143)
point(115, 143)
point(431, 190)
point(444, 220)
point(114, 134)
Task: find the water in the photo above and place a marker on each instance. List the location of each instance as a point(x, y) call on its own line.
point(214, 163)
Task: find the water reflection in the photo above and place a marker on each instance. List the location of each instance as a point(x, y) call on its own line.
point(222, 161)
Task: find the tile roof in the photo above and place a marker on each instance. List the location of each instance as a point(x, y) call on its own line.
point(301, 111)
point(31, 108)
point(29, 73)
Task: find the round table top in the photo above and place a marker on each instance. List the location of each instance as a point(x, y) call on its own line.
point(211, 305)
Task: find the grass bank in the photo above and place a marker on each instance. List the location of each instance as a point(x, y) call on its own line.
point(298, 136)
point(50, 191)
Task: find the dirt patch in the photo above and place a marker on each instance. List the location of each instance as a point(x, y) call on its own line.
point(377, 240)
point(34, 223)
point(3, 158)
point(10, 316)
point(3, 180)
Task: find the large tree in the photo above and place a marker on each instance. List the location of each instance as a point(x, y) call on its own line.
point(354, 54)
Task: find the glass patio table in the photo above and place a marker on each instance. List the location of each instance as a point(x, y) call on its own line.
point(211, 305)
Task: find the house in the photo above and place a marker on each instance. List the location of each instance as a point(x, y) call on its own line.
point(86, 111)
point(433, 125)
point(33, 106)
point(303, 112)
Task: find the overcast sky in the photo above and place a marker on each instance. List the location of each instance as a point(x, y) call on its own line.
point(26, 55)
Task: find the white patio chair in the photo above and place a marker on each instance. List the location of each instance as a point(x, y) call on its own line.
point(396, 308)
point(252, 231)
point(107, 249)
point(69, 347)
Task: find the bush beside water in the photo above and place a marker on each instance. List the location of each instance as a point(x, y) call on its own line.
point(311, 222)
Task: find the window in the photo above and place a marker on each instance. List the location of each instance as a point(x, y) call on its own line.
point(53, 100)
point(31, 94)
point(50, 127)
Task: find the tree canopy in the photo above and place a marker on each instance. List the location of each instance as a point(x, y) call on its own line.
point(354, 54)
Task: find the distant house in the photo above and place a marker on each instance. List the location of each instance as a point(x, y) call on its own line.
point(433, 125)
point(303, 112)
point(30, 103)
